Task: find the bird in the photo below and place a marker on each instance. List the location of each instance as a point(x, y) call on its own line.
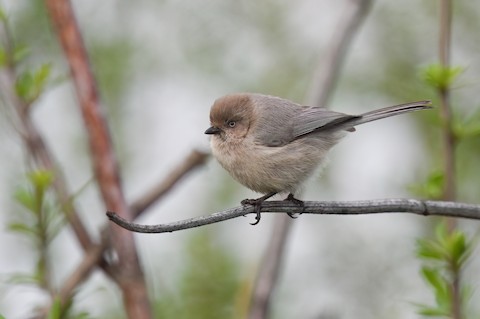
point(272, 145)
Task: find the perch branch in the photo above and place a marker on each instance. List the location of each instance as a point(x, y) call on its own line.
point(413, 206)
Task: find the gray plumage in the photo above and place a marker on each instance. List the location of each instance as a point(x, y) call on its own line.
point(273, 145)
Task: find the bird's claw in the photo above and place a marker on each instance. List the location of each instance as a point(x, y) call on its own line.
point(257, 203)
point(249, 201)
point(296, 201)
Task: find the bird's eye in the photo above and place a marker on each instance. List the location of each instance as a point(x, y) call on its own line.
point(231, 123)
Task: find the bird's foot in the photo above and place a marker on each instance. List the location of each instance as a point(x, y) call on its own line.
point(257, 203)
point(296, 201)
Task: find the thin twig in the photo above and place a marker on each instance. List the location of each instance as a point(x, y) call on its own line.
point(89, 262)
point(413, 206)
point(193, 160)
point(449, 141)
point(128, 272)
point(326, 75)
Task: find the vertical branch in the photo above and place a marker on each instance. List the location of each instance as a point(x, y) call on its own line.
point(329, 67)
point(128, 273)
point(322, 86)
point(269, 268)
point(445, 107)
point(449, 141)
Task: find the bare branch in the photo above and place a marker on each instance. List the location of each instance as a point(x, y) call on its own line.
point(413, 206)
point(192, 161)
point(449, 139)
point(128, 273)
point(269, 270)
point(449, 142)
point(327, 73)
point(83, 270)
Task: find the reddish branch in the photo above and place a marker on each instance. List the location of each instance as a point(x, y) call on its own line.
point(445, 107)
point(128, 273)
point(449, 140)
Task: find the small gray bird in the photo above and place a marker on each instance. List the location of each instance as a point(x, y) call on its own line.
point(272, 145)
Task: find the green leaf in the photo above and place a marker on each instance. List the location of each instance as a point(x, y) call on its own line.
point(41, 179)
point(433, 186)
point(469, 127)
point(41, 76)
point(3, 16)
point(25, 279)
point(55, 311)
point(460, 248)
point(26, 199)
point(24, 86)
point(82, 315)
point(3, 57)
point(20, 52)
point(429, 249)
point(434, 278)
point(439, 76)
point(29, 85)
point(439, 284)
point(23, 229)
point(433, 312)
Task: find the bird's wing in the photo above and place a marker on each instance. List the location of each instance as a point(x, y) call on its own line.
point(314, 119)
point(274, 123)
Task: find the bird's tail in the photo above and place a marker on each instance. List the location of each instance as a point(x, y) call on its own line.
point(391, 111)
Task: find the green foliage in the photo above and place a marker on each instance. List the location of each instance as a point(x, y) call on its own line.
point(432, 187)
point(20, 52)
point(55, 310)
point(3, 58)
point(443, 258)
point(59, 311)
point(3, 15)
point(43, 221)
point(208, 285)
point(30, 84)
point(39, 221)
point(468, 128)
point(439, 76)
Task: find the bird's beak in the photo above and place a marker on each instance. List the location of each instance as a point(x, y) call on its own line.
point(212, 130)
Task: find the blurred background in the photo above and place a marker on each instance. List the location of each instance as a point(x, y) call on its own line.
point(159, 66)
